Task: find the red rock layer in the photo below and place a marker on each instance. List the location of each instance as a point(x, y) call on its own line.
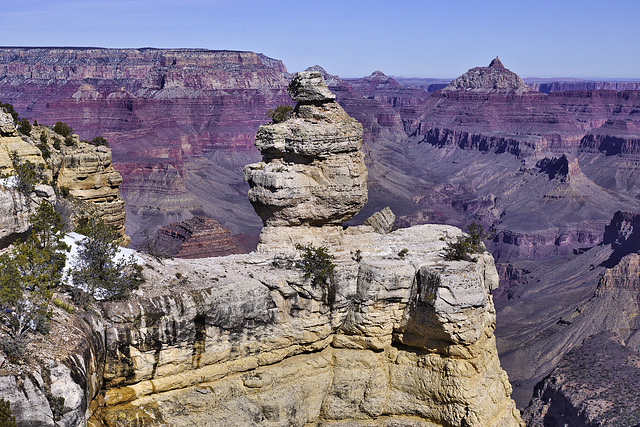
point(191, 113)
point(198, 237)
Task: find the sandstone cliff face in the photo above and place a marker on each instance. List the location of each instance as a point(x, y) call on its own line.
point(87, 172)
point(247, 340)
point(84, 170)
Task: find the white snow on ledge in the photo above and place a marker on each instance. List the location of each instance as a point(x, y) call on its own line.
point(73, 240)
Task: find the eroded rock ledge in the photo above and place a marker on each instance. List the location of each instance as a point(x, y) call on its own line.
point(247, 341)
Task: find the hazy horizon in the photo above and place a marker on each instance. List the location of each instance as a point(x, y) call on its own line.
point(424, 39)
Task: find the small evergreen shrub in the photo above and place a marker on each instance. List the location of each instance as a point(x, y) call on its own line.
point(62, 129)
point(24, 127)
point(98, 141)
point(56, 143)
point(97, 270)
point(14, 348)
point(280, 113)
point(464, 246)
point(44, 149)
point(317, 265)
point(6, 417)
point(56, 403)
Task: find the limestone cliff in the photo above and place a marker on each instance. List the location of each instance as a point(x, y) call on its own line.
point(245, 340)
point(81, 169)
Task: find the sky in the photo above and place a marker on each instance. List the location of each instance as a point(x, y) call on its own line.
point(353, 38)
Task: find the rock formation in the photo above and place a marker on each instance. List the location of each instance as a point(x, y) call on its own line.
point(594, 384)
point(452, 157)
point(396, 335)
point(85, 171)
point(198, 237)
point(313, 170)
point(564, 86)
point(492, 79)
point(181, 122)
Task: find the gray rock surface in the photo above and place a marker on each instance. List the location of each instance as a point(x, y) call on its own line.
point(309, 86)
point(381, 221)
point(7, 127)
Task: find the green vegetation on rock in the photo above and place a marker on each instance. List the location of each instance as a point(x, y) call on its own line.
point(6, 418)
point(464, 246)
point(280, 113)
point(97, 270)
point(24, 127)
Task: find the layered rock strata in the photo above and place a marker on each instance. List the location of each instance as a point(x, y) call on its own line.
point(181, 122)
point(396, 335)
point(313, 170)
point(247, 340)
point(81, 169)
point(198, 237)
point(594, 384)
point(87, 172)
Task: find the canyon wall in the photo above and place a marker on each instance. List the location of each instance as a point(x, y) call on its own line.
point(476, 153)
point(392, 333)
point(79, 170)
point(180, 123)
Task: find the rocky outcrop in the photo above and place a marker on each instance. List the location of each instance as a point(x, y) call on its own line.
point(87, 173)
point(67, 364)
point(198, 237)
point(313, 170)
point(246, 339)
point(16, 207)
point(492, 79)
point(593, 385)
point(82, 170)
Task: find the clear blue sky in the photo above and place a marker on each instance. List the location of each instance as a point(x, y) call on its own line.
point(587, 38)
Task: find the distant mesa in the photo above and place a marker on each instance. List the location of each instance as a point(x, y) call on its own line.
point(492, 79)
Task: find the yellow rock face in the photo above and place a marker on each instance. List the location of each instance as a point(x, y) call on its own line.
point(85, 170)
point(89, 175)
point(408, 340)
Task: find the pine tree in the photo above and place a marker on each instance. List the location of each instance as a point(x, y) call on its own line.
point(97, 268)
point(6, 418)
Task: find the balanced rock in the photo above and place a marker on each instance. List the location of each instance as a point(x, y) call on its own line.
point(313, 170)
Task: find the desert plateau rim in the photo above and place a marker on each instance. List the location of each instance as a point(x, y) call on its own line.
point(402, 336)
